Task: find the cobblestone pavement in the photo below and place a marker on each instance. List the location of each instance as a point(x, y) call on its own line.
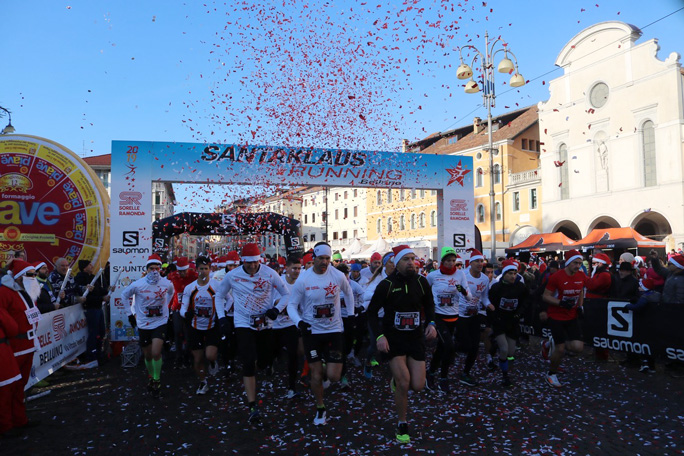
point(601, 409)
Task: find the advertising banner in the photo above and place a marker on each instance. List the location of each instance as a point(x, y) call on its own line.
point(52, 205)
point(136, 164)
point(61, 336)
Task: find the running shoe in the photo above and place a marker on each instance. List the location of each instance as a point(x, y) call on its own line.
point(646, 369)
point(150, 386)
point(156, 388)
point(356, 361)
point(254, 415)
point(393, 385)
point(552, 380)
point(403, 436)
point(430, 381)
point(367, 371)
point(203, 388)
point(444, 386)
point(545, 349)
point(319, 419)
point(326, 384)
point(467, 380)
point(213, 368)
point(344, 383)
point(374, 363)
point(291, 394)
point(506, 383)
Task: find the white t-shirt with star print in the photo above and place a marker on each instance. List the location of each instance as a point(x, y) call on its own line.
point(151, 302)
point(315, 298)
point(445, 292)
point(252, 295)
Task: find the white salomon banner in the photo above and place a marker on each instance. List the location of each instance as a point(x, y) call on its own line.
point(62, 336)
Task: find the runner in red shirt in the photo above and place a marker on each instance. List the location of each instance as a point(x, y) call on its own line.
point(564, 293)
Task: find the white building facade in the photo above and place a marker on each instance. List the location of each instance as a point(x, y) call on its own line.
point(612, 135)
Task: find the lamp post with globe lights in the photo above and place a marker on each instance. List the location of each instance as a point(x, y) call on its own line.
point(9, 128)
point(465, 71)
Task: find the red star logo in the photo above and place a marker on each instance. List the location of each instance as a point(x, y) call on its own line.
point(260, 284)
point(452, 282)
point(457, 174)
point(159, 294)
point(330, 289)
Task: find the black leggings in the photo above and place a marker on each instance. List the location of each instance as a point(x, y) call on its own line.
point(349, 325)
point(288, 338)
point(468, 331)
point(255, 348)
point(446, 347)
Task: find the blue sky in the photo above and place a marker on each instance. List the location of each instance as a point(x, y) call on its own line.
point(347, 74)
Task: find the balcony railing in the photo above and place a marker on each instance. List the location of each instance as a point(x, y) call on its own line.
point(524, 177)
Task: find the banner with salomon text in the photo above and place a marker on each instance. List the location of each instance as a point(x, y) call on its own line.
point(136, 164)
point(654, 330)
point(61, 336)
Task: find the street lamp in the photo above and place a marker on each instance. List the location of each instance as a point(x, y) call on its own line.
point(465, 71)
point(9, 128)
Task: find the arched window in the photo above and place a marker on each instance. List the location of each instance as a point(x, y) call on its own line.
point(497, 209)
point(402, 222)
point(433, 219)
point(378, 226)
point(649, 154)
point(421, 220)
point(497, 174)
point(564, 176)
point(480, 212)
point(378, 198)
point(389, 195)
point(389, 224)
point(413, 221)
point(478, 177)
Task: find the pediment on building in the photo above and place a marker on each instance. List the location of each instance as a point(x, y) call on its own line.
point(584, 45)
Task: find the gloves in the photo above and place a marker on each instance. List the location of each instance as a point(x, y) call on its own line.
point(358, 310)
point(132, 321)
point(304, 327)
point(190, 313)
point(463, 291)
point(225, 327)
point(272, 313)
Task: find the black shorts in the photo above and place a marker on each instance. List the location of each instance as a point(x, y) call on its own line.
point(564, 330)
point(199, 339)
point(328, 346)
point(146, 335)
point(255, 349)
point(485, 322)
point(412, 347)
point(508, 326)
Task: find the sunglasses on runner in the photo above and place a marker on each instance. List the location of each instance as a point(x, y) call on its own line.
point(30, 274)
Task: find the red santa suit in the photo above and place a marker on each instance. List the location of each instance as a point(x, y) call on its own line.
point(16, 302)
point(179, 283)
point(9, 372)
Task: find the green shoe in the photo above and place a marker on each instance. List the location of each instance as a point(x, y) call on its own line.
point(374, 363)
point(403, 436)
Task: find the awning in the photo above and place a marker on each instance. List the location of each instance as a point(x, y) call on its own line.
point(617, 238)
point(380, 245)
point(545, 242)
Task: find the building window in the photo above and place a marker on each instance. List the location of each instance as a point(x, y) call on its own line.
point(452, 140)
point(497, 210)
point(533, 198)
point(497, 174)
point(305, 201)
point(313, 237)
point(402, 195)
point(649, 153)
point(524, 144)
point(378, 226)
point(345, 213)
point(402, 222)
point(413, 193)
point(413, 221)
point(337, 214)
point(324, 216)
point(157, 197)
point(478, 177)
point(344, 235)
point(422, 193)
point(421, 220)
point(355, 193)
point(433, 192)
point(433, 219)
point(334, 235)
point(345, 195)
point(516, 201)
point(378, 198)
point(356, 211)
point(356, 234)
point(306, 219)
point(564, 176)
point(313, 218)
point(389, 224)
point(389, 195)
point(337, 196)
point(480, 212)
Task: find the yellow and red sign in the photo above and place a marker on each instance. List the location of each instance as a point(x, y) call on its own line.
point(52, 204)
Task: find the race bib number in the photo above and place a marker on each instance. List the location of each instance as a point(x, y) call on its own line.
point(324, 311)
point(471, 310)
point(32, 315)
point(203, 312)
point(446, 300)
point(508, 304)
point(570, 301)
point(154, 311)
point(406, 321)
point(258, 322)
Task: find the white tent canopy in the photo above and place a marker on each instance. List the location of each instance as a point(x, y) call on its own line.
point(380, 245)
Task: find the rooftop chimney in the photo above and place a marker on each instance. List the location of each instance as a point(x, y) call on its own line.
point(477, 125)
point(404, 145)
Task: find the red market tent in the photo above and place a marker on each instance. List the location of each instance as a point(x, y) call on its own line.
point(617, 238)
point(545, 242)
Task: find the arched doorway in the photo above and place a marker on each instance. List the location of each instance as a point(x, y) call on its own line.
point(570, 229)
point(653, 225)
point(602, 222)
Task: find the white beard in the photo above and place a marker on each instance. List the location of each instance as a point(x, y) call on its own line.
point(32, 287)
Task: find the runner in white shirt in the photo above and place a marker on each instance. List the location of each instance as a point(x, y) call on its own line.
point(367, 273)
point(152, 294)
point(285, 333)
point(349, 321)
point(448, 286)
point(468, 326)
point(314, 306)
point(252, 285)
point(203, 312)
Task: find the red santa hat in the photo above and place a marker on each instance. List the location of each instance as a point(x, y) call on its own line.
point(153, 259)
point(475, 255)
point(39, 264)
point(20, 267)
point(281, 261)
point(308, 258)
point(572, 255)
point(509, 265)
point(647, 284)
point(182, 263)
point(400, 251)
point(601, 258)
point(677, 260)
point(376, 257)
point(232, 258)
point(251, 252)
